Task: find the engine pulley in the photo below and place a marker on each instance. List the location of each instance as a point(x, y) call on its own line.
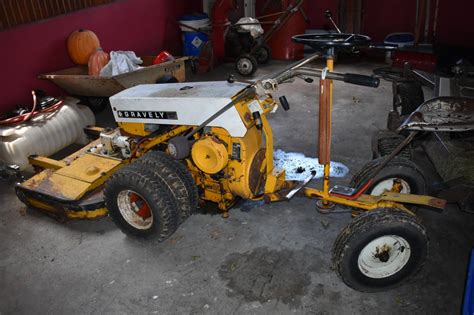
point(210, 155)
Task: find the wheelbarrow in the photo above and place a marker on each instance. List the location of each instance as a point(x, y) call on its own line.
point(95, 90)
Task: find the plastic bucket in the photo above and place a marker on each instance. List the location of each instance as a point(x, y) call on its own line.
point(399, 39)
point(193, 41)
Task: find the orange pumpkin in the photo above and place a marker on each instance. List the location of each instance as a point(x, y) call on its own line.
point(97, 61)
point(81, 44)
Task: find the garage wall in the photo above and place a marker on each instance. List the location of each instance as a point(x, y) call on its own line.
point(393, 16)
point(316, 11)
point(144, 26)
point(380, 18)
point(455, 23)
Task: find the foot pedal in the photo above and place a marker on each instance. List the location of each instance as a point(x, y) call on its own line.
point(300, 186)
point(343, 190)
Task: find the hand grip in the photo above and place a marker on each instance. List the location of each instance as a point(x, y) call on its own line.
point(360, 79)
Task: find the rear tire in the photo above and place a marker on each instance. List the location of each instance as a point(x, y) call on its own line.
point(410, 176)
point(380, 249)
point(178, 179)
point(140, 204)
point(385, 142)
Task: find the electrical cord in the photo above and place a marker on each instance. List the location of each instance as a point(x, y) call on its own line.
point(33, 113)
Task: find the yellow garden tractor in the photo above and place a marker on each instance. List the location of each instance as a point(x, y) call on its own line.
point(182, 143)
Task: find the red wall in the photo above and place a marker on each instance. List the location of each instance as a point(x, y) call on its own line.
point(380, 18)
point(455, 25)
point(144, 26)
point(315, 13)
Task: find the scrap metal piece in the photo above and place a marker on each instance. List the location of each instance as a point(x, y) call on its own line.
point(442, 114)
point(300, 186)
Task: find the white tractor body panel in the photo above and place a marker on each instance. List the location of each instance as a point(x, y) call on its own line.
point(189, 103)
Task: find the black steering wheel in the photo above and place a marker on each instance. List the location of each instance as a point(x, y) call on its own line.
point(332, 40)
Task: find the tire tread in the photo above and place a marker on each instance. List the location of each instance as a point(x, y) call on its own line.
point(366, 222)
point(137, 175)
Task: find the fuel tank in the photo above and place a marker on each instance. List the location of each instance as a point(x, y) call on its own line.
point(45, 134)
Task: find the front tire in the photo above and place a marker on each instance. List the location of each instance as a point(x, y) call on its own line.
point(380, 249)
point(140, 204)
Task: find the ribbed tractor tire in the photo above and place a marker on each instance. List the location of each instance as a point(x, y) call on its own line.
point(380, 250)
point(408, 96)
point(137, 179)
point(386, 145)
point(398, 168)
point(178, 179)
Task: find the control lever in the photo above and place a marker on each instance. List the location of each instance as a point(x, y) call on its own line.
point(284, 102)
point(388, 47)
point(328, 15)
point(231, 79)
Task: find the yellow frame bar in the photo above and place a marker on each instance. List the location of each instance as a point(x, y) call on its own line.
point(45, 162)
point(387, 199)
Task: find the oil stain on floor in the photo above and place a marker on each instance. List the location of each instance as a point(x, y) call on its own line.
point(264, 274)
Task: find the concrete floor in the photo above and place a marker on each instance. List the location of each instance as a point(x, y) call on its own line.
point(281, 251)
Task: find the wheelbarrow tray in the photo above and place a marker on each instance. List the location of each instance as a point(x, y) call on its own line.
point(76, 81)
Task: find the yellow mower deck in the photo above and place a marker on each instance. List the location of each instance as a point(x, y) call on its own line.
point(70, 187)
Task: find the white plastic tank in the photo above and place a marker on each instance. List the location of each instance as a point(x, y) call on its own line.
point(45, 134)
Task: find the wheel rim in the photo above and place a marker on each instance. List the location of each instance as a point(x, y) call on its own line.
point(391, 184)
point(245, 65)
point(134, 209)
point(384, 256)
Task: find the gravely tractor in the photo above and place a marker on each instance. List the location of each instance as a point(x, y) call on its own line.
point(182, 143)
